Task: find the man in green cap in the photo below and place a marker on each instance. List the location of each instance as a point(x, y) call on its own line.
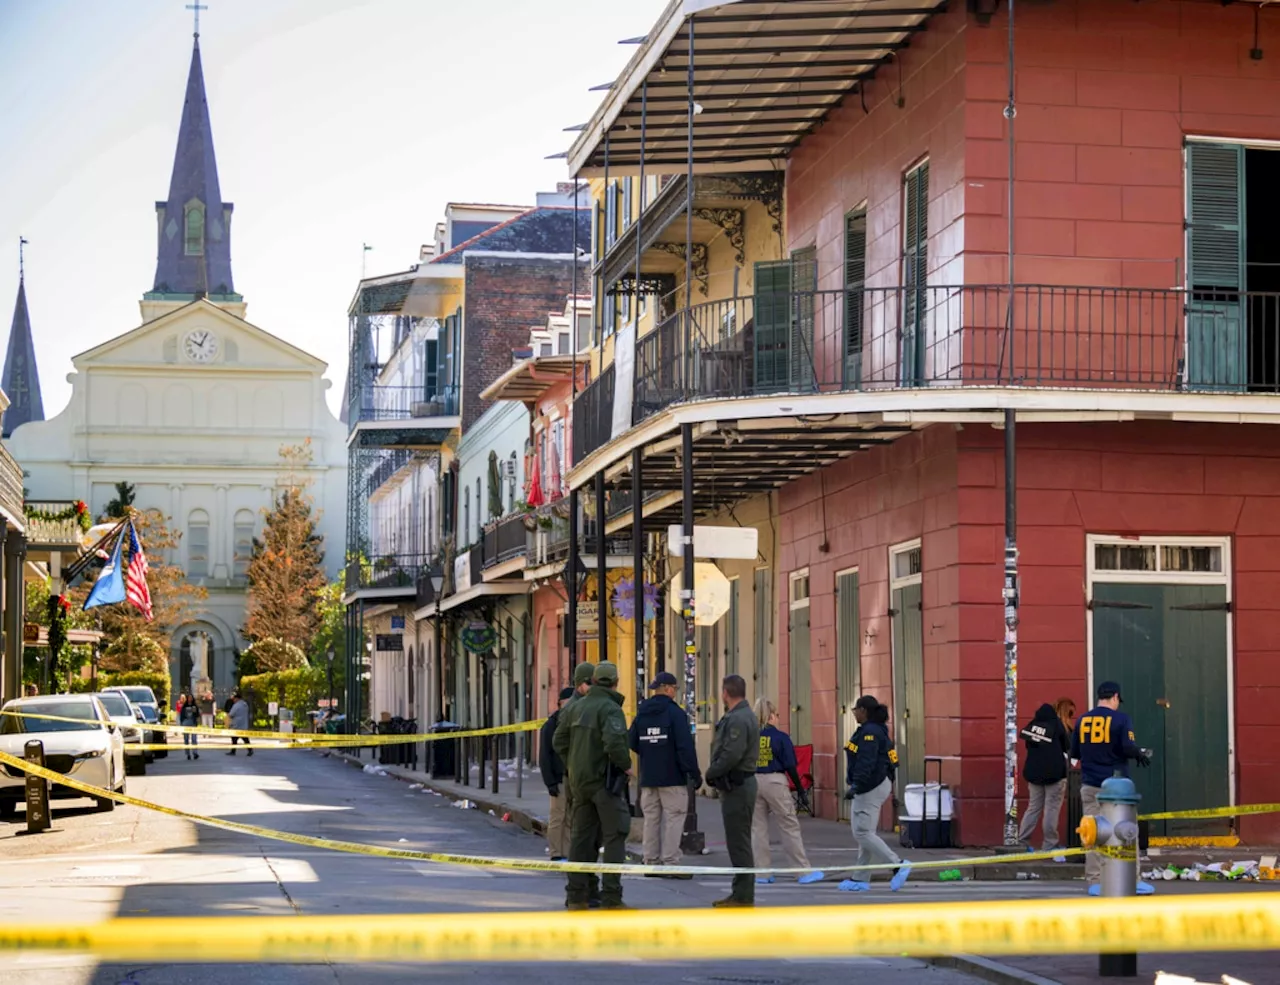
point(734, 750)
point(582, 675)
point(592, 740)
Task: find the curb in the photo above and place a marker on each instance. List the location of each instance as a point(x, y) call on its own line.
point(522, 819)
point(990, 971)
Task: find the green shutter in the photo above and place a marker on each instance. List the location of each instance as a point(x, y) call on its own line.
point(855, 278)
point(1215, 266)
point(772, 324)
point(915, 273)
point(804, 284)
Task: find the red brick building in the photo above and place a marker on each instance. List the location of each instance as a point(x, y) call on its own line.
point(1139, 349)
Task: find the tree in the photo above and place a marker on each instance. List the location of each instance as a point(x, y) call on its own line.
point(271, 654)
point(118, 508)
point(174, 600)
point(286, 570)
point(134, 652)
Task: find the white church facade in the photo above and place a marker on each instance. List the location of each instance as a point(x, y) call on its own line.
point(192, 407)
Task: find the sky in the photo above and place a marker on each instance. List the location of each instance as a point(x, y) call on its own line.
point(336, 123)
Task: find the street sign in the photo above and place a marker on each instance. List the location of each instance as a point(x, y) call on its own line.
point(397, 622)
point(37, 790)
point(389, 642)
point(711, 592)
point(738, 543)
point(273, 708)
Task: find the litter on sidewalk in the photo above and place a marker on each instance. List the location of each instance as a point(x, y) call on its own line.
point(1247, 871)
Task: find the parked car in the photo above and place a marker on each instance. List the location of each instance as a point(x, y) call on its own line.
point(91, 748)
point(126, 718)
point(143, 699)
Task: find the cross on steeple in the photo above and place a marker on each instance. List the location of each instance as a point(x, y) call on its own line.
point(22, 242)
point(197, 7)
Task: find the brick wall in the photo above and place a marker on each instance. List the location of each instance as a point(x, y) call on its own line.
point(506, 296)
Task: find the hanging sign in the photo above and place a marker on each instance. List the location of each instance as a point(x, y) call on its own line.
point(734, 543)
point(479, 637)
point(389, 642)
point(588, 620)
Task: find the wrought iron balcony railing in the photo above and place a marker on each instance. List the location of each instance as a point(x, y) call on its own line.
point(873, 339)
point(402, 403)
point(386, 571)
point(505, 540)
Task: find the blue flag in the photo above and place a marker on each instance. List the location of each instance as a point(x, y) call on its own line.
point(109, 587)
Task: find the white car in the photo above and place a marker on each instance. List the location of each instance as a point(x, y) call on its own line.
point(144, 699)
point(90, 749)
point(130, 727)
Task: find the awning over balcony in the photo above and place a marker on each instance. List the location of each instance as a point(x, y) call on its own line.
point(765, 73)
point(529, 379)
point(482, 590)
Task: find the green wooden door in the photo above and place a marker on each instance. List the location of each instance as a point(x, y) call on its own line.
point(915, 274)
point(1166, 646)
point(1216, 347)
point(1194, 706)
point(804, 282)
point(772, 325)
point(908, 684)
point(848, 672)
point(801, 718)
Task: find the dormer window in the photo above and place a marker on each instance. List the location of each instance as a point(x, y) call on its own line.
point(194, 226)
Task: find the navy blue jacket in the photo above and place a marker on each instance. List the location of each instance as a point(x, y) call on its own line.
point(871, 758)
point(1103, 742)
point(548, 760)
point(661, 737)
point(777, 754)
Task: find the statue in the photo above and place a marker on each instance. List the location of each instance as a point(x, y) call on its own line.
point(201, 684)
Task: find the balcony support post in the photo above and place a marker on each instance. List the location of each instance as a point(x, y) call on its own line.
point(1011, 586)
point(571, 589)
point(637, 563)
point(693, 840)
point(602, 575)
point(687, 358)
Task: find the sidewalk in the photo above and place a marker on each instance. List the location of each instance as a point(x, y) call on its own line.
point(829, 844)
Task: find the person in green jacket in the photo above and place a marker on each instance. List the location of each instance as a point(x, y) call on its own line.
point(592, 740)
point(582, 675)
point(734, 750)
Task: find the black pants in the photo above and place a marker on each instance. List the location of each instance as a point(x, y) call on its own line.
point(238, 738)
point(605, 820)
point(738, 808)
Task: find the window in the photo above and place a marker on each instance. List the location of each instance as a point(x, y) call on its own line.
point(466, 514)
point(915, 270)
point(555, 484)
point(855, 278)
point(907, 564)
point(194, 230)
point(198, 544)
point(243, 554)
point(627, 184)
point(562, 344)
point(800, 588)
point(511, 482)
point(1147, 557)
point(479, 514)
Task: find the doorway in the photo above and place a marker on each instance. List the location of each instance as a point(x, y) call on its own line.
point(800, 721)
point(1159, 626)
point(906, 613)
point(848, 672)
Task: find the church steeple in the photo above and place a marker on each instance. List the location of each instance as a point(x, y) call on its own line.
point(21, 381)
point(193, 258)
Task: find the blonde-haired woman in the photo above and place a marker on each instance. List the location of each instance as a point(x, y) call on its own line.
point(777, 761)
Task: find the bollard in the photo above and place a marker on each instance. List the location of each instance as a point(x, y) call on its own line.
point(37, 790)
point(1117, 828)
point(480, 762)
point(493, 746)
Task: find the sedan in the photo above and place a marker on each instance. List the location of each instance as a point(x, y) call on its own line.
point(80, 740)
point(126, 719)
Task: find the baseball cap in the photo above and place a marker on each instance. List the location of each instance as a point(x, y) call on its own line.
point(606, 673)
point(582, 673)
point(664, 680)
point(1109, 689)
point(868, 702)
point(566, 693)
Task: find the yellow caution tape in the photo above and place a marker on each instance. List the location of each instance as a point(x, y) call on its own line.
point(306, 738)
point(1240, 810)
point(481, 861)
point(1079, 926)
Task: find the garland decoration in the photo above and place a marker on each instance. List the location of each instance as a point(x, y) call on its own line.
point(78, 511)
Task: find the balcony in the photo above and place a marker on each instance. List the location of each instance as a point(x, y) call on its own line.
point(386, 575)
point(900, 338)
point(402, 416)
point(42, 530)
point(11, 496)
point(506, 540)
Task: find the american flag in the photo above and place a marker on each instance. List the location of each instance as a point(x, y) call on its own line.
point(135, 579)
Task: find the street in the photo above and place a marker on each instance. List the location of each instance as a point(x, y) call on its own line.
point(132, 863)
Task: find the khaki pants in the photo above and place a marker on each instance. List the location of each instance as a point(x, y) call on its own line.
point(558, 828)
point(774, 799)
point(665, 809)
point(1046, 799)
point(864, 818)
point(1089, 806)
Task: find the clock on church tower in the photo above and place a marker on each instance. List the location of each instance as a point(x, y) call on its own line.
point(200, 345)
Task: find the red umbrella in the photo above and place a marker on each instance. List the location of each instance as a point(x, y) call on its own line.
point(536, 498)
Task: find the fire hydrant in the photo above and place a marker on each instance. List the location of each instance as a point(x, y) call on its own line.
point(1116, 829)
